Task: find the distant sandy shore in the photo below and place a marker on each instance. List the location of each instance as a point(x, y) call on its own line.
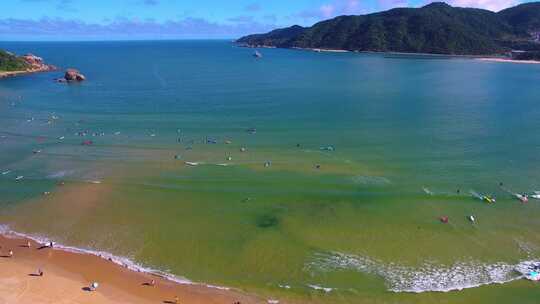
point(67, 276)
point(493, 59)
point(323, 50)
point(6, 74)
point(508, 60)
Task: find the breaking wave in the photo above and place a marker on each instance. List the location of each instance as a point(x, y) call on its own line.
point(371, 180)
point(428, 277)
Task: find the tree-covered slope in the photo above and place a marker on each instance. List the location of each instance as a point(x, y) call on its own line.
point(524, 17)
point(435, 28)
point(10, 62)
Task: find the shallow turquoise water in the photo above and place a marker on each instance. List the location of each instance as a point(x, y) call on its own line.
point(361, 224)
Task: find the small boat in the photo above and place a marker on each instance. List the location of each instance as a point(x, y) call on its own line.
point(533, 275)
point(36, 151)
point(522, 197)
point(95, 182)
point(471, 218)
point(328, 148)
point(61, 138)
point(488, 199)
point(19, 177)
point(427, 191)
point(257, 54)
point(251, 130)
point(6, 172)
point(193, 164)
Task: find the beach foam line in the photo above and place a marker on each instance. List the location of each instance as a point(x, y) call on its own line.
point(7, 232)
point(429, 277)
point(371, 180)
point(320, 288)
point(60, 174)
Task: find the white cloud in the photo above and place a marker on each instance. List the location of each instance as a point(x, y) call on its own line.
point(327, 10)
point(332, 9)
point(388, 4)
point(492, 5)
point(126, 28)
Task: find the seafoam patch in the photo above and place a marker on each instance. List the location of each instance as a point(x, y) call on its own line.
point(61, 174)
point(320, 288)
point(370, 180)
point(428, 277)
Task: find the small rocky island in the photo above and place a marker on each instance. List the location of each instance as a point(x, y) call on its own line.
point(13, 65)
point(72, 75)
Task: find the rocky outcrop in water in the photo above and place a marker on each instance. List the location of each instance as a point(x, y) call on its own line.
point(73, 75)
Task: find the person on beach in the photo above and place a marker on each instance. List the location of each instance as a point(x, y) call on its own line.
point(40, 272)
point(28, 245)
point(10, 253)
point(176, 300)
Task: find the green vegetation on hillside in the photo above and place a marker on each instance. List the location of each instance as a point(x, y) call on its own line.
point(435, 28)
point(535, 55)
point(10, 62)
point(525, 17)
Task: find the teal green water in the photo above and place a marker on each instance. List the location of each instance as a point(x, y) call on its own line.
point(361, 228)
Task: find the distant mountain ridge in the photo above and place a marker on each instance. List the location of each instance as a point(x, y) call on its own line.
point(435, 28)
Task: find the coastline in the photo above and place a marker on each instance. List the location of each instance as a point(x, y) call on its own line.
point(427, 55)
point(7, 74)
point(507, 60)
point(68, 273)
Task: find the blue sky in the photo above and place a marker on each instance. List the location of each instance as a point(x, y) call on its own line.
point(166, 19)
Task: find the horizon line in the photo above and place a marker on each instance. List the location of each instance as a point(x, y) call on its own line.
point(124, 40)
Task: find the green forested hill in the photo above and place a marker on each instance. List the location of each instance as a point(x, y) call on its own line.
point(524, 17)
point(10, 62)
point(435, 28)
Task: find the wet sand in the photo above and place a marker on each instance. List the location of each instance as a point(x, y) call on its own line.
point(67, 275)
point(509, 60)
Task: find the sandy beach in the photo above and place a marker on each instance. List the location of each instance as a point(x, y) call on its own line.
point(509, 60)
point(67, 275)
point(6, 74)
